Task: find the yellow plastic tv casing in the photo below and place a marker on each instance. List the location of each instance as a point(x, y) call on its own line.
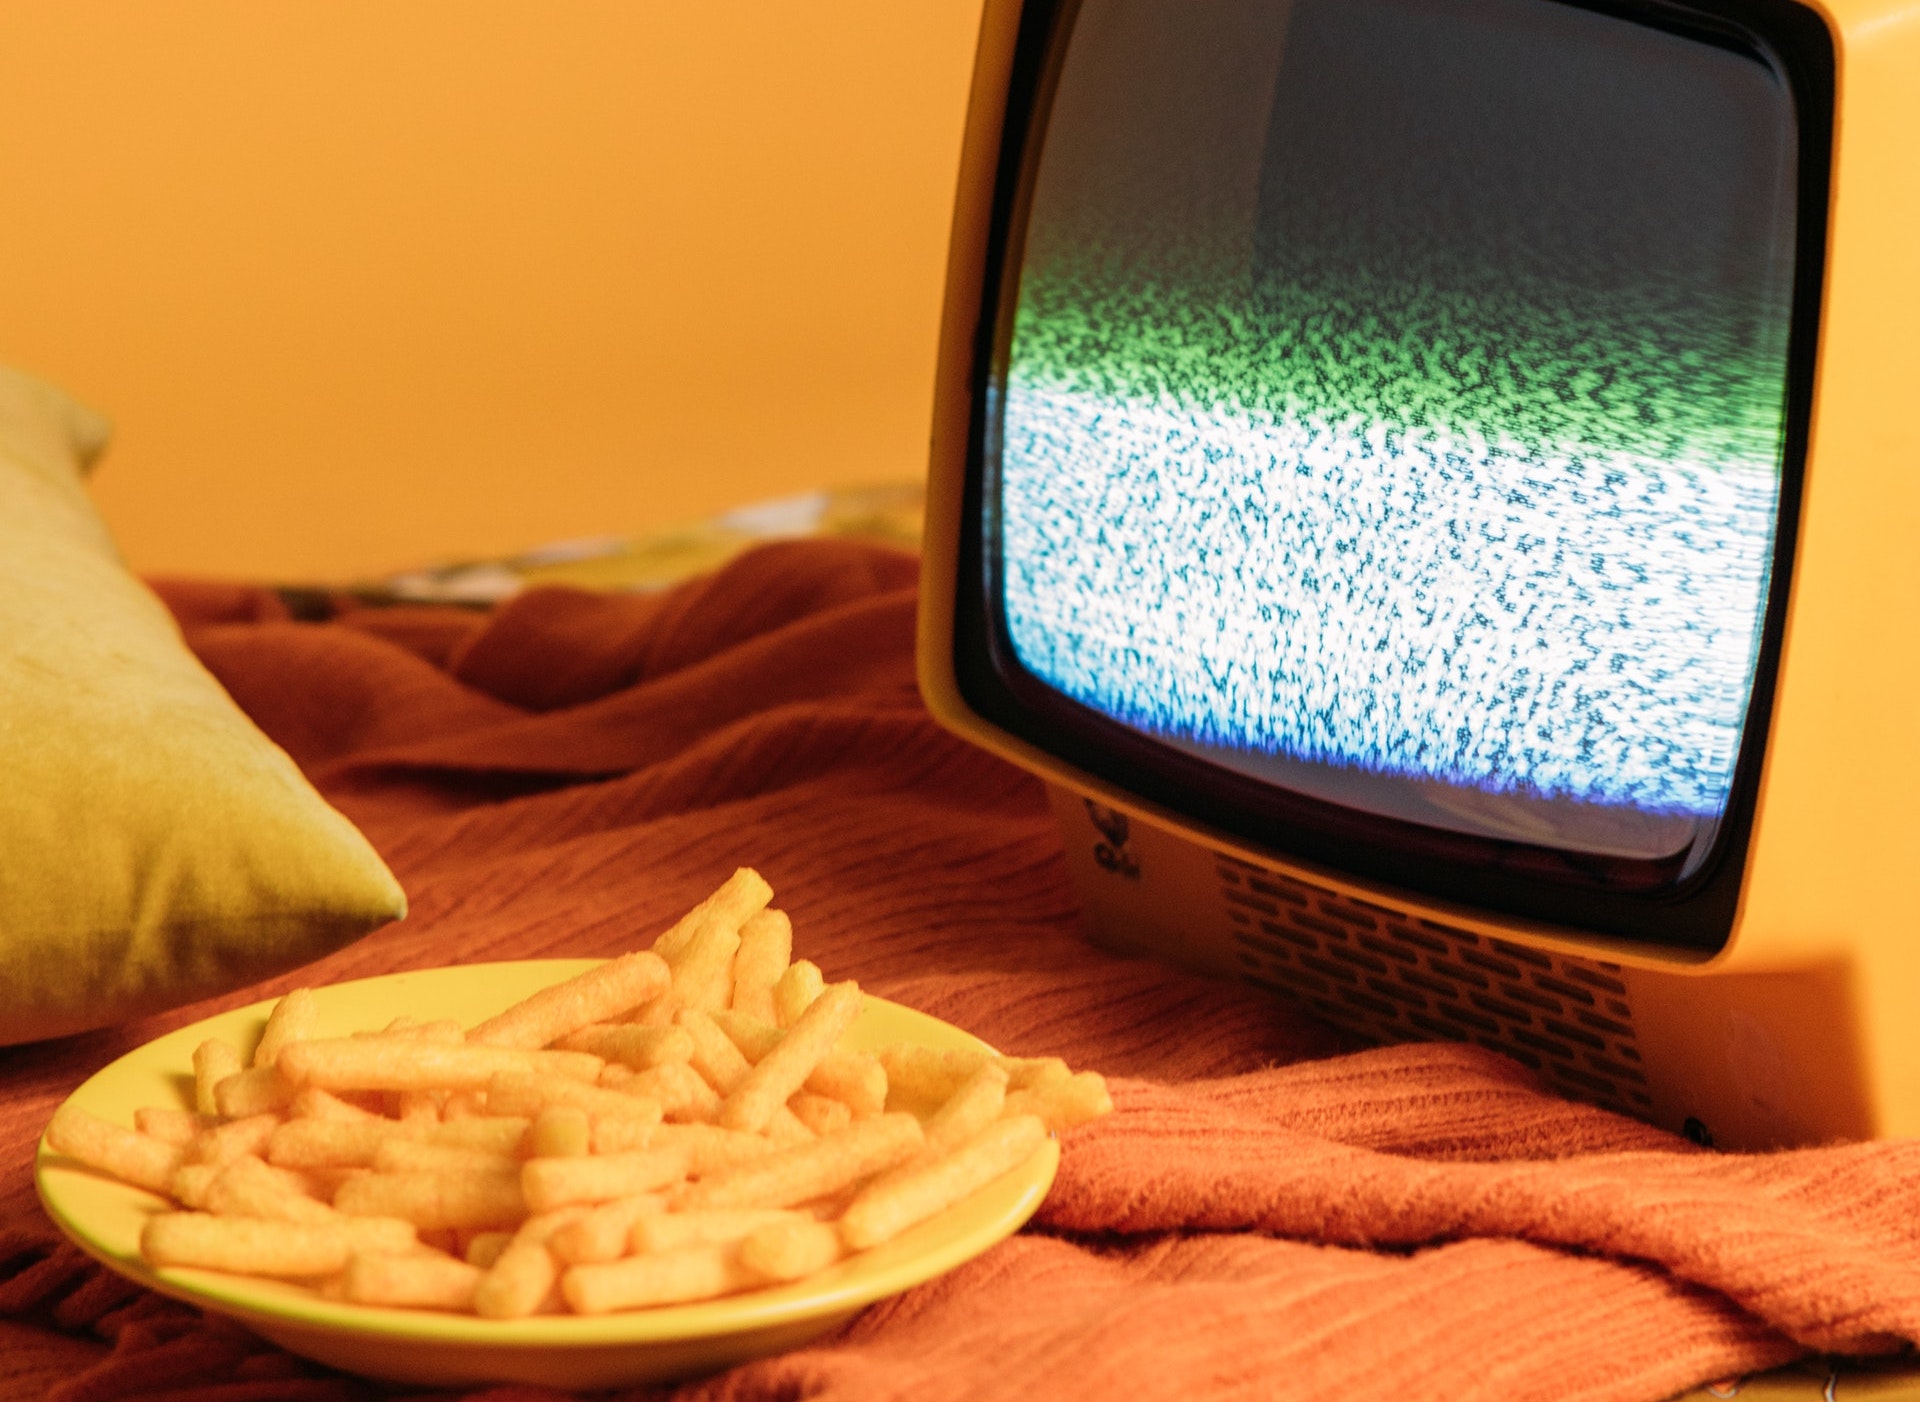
point(1805, 1026)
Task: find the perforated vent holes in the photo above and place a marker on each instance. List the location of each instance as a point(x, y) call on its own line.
point(1393, 977)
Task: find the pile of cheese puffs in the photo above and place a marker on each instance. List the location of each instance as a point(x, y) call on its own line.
point(679, 1123)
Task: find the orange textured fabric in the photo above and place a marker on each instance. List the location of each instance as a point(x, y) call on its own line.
point(1269, 1212)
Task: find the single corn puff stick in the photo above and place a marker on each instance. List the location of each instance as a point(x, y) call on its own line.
point(560, 1132)
point(255, 1091)
point(931, 1076)
point(885, 1210)
point(612, 1135)
point(739, 896)
point(131, 1157)
point(213, 1061)
point(249, 1187)
point(615, 987)
point(526, 1093)
point(795, 990)
point(171, 1126)
point(788, 1250)
point(435, 1201)
point(664, 1231)
point(551, 1183)
point(820, 1113)
point(703, 971)
point(603, 1232)
point(416, 1156)
point(334, 1143)
point(488, 1134)
point(856, 1077)
point(293, 1019)
point(680, 1091)
point(629, 1044)
point(1035, 1072)
point(520, 1278)
point(811, 1170)
point(927, 1075)
point(484, 1248)
point(669, 1277)
point(1063, 1104)
point(785, 1069)
point(518, 1281)
point(312, 1103)
point(415, 1280)
point(970, 1109)
point(403, 1063)
point(715, 1056)
point(709, 1147)
point(236, 1137)
point(755, 1036)
point(249, 1246)
point(766, 948)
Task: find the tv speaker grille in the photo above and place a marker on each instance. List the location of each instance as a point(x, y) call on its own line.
point(1392, 976)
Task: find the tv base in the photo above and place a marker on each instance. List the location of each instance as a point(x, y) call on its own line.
point(1738, 1060)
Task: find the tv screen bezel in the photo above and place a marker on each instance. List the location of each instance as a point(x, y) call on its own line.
point(1571, 893)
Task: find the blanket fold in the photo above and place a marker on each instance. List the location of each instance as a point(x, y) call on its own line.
point(1802, 1240)
point(1271, 1211)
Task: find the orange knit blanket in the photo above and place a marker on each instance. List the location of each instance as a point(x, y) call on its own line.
point(1268, 1213)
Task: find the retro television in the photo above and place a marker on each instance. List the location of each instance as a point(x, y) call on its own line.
point(1433, 487)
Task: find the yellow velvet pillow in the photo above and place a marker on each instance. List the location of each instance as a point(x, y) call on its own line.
point(155, 847)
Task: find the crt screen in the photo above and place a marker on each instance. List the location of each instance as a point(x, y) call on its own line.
point(1393, 404)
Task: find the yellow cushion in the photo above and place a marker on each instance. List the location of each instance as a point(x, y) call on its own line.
point(155, 847)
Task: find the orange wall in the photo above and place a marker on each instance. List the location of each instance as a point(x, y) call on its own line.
point(367, 283)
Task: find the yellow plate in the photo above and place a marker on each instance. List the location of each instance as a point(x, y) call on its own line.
point(420, 1346)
